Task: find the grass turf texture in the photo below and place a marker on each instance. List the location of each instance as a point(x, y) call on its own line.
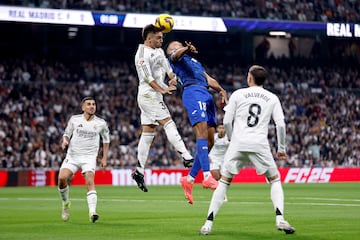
point(317, 211)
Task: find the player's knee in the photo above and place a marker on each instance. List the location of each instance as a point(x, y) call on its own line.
point(64, 175)
point(62, 181)
point(89, 178)
point(273, 176)
point(226, 175)
point(216, 174)
point(225, 180)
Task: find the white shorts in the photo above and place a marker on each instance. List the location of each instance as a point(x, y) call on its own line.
point(152, 109)
point(86, 164)
point(234, 160)
point(216, 162)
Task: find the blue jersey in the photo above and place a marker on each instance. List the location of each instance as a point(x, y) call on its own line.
point(196, 98)
point(189, 71)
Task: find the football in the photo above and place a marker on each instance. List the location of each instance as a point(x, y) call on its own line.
point(165, 22)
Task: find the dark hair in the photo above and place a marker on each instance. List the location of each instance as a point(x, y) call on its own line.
point(149, 29)
point(85, 99)
point(259, 74)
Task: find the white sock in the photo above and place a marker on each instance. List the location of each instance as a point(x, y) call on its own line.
point(217, 199)
point(208, 223)
point(92, 200)
point(277, 198)
point(206, 175)
point(190, 179)
point(64, 194)
point(175, 139)
point(145, 142)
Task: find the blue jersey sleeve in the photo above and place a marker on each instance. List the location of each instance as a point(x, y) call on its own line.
point(189, 71)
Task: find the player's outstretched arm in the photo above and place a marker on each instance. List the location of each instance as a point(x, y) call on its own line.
point(180, 52)
point(216, 86)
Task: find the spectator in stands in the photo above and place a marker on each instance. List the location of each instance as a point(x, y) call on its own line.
point(339, 87)
point(307, 10)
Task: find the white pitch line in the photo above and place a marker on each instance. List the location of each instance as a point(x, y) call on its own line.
point(184, 201)
point(327, 199)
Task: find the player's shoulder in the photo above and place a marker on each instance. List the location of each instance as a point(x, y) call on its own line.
point(100, 120)
point(239, 93)
point(143, 51)
point(76, 117)
point(160, 50)
point(271, 94)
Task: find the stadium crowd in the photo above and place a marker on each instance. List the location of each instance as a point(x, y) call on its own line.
point(298, 10)
point(322, 108)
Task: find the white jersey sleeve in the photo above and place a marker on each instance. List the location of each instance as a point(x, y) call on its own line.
point(85, 136)
point(151, 64)
point(247, 117)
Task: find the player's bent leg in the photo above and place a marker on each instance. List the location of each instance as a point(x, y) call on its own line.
point(176, 140)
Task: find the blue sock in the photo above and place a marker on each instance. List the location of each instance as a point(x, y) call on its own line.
point(196, 167)
point(203, 153)
point(202, 157)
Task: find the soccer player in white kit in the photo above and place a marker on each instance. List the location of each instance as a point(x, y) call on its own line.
point(82, 140)
point(246, 120)
point(217, 152)
point(152, 67)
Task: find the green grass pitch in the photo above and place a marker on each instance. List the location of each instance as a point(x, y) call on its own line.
point(317, 211)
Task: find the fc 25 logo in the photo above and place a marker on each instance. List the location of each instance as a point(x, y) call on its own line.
point(308, 175)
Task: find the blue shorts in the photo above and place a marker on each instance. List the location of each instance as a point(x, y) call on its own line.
point(199, 105)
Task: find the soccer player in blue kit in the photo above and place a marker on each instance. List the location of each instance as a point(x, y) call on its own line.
point(200, 107)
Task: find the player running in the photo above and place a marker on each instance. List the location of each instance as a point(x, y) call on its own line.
point(217, 152)
point(82, 140)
